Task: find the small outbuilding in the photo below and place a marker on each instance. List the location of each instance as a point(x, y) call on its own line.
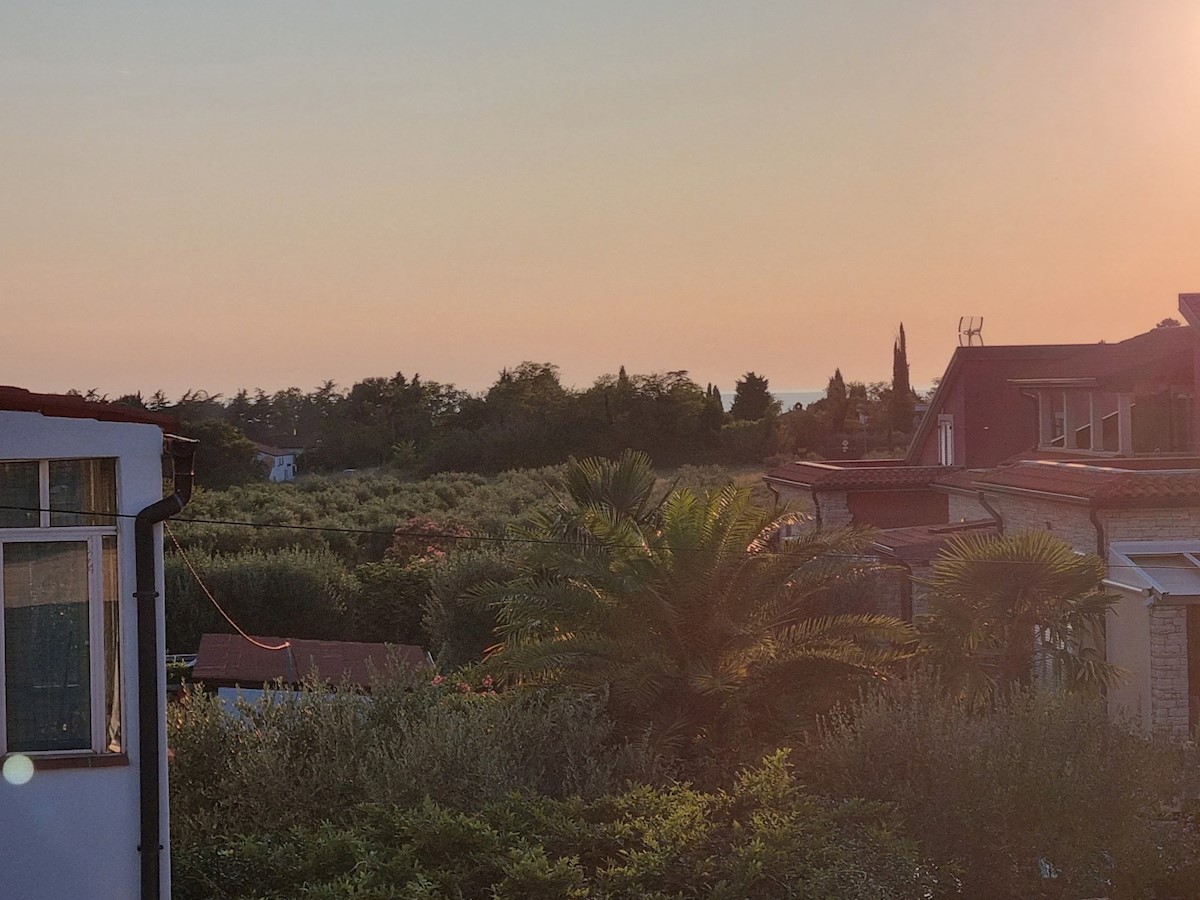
point(228, 662)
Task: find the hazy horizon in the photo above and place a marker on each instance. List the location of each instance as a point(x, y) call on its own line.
point(264, 195)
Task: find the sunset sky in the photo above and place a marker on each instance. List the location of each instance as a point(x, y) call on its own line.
point(227, 194)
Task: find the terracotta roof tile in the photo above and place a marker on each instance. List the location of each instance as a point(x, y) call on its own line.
point(826, 476)
point(923, 542)
point(230, 659)
point(1173, 482)
point(1165, 353)
point(958, 479)
point(71, 406)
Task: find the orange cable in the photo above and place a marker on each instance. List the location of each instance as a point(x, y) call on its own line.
point(187, 562)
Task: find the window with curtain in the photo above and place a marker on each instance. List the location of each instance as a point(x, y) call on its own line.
point(59, 607)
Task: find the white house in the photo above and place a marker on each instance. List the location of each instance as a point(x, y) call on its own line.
point(83, 800)
point(280, 461)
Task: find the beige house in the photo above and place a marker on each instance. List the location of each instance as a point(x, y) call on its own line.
point(1097, 444)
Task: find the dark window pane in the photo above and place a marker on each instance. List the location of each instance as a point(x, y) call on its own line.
point(19, 488)
point(87, 486)
point(46, 647)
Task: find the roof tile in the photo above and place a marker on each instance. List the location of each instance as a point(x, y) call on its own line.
point(229, 658)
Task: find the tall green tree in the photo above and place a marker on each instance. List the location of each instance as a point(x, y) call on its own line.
point(752, 399)
point(837, 401)
point(1003, 608)
point(903, 399)
point(224, 457)
point(703, 629)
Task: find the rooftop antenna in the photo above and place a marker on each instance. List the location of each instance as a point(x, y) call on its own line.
point(970, 331)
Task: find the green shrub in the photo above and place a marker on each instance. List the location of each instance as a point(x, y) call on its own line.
point(459, 624)
point(1043, 797)
point(289, 593)
point(387, 602)
point(764, 838)
point(368, 506)
point(313, 755)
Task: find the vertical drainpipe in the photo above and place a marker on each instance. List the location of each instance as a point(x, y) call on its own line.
point(1094, 515)
point(1102, 552)
point(149, 664)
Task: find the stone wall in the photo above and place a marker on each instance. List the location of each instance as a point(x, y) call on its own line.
point(1168, 664)
point(1169, 669)
point(1069, 521)
point(967, 508)
point(920, 593)
point(834, 509)
point(1151, 524)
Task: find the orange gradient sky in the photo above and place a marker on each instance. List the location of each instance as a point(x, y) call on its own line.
point(268, 194)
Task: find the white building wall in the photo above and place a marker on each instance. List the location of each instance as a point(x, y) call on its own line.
point(279, 468)
point(1127, 644)
point(73, 834)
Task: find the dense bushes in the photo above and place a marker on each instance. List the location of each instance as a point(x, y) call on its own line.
point(348, 570)
point(314, 755)
point(459, 624)
point(1042, 797)
point(451, 790)
point(437, 786)
point(764, 838)
point(288, 593)
point(368, 506)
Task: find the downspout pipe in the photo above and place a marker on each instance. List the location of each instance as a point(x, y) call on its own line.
point(1094, 515)
point(149, 665)
point(991, 511)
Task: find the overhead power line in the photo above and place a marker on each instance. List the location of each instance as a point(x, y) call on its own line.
point(511, 539)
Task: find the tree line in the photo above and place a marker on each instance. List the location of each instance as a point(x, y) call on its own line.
point(529, 418)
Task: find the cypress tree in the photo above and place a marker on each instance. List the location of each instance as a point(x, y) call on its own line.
point(839, 401)
point(903, 399)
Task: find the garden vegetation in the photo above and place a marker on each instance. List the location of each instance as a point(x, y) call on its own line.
point(642, 692)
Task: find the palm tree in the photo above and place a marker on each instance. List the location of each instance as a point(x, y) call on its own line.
point(1004, 607)
point(689, 612)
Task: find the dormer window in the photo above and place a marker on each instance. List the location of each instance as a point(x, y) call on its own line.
point(945, 440)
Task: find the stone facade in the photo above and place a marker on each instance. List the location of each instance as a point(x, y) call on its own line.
point(834, 509)
point(1069, 521)
point(920, 593)
point(1151, 524)
point(1168, 624)
point(967, 508)
point(1169, 669)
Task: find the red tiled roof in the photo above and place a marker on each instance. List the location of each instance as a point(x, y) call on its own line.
point(1161, 482)
point(958, 479)
point(922, 542)
point(231, 659)
point(70, 406)
point(829, 476)
point(1163, 354)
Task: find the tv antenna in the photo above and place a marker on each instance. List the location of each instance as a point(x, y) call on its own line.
point(970, 331)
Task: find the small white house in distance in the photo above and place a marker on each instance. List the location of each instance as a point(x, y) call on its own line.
point(83, 805)
point(280, 461)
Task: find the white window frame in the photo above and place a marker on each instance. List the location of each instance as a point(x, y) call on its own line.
point(93, 536)
point(945, 432)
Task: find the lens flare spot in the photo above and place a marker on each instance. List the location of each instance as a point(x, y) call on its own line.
point(18, 769)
